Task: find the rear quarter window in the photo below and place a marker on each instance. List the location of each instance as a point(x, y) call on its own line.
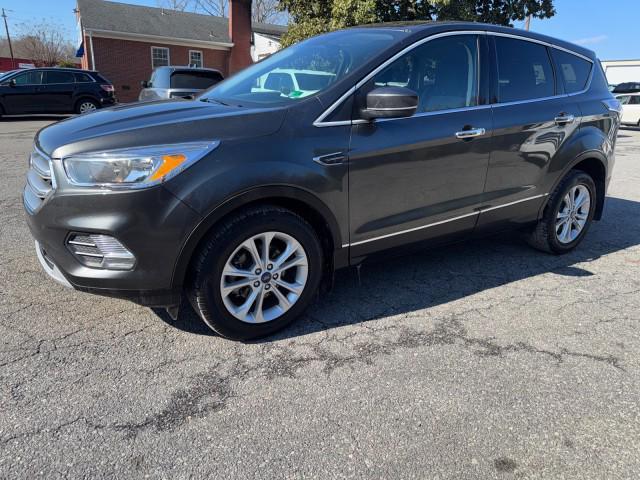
point(99, 78)
point(83, 78)
point(573, 70)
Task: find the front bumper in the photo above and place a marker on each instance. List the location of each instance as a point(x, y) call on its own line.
point(152, 223)
point(50, 268)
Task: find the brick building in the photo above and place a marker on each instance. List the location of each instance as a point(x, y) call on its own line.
point(126, 42)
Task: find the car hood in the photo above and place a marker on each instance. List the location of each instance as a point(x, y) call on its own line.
point(156, 123)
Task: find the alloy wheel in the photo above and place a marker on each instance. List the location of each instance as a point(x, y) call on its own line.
point(573, 214)
point(264, 277)
point(87, 107)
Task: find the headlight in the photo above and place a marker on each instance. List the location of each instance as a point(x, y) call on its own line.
point(134, 167)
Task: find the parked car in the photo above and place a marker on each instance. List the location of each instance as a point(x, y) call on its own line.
point(54, 90)
point(247, 201)
point(627, 87)
point(293, 83)
point(630, 108)
point(178, 82)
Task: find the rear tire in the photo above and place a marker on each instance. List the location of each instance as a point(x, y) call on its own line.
point(261, 304)
point(566, 217)
point(86, 105)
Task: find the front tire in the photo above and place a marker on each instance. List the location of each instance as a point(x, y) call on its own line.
point(256, 273)
point(567, 216)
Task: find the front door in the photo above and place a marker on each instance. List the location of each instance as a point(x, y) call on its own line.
point(422, 177)
point(25, 96)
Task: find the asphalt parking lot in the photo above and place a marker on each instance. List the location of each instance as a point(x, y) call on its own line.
point(481, 360)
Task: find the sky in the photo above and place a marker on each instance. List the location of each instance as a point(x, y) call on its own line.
point(610, 28)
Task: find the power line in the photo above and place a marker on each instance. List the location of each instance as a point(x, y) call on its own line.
point(6, 27)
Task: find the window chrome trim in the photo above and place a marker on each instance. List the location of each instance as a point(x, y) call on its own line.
point(541, 42)
point(441, 222)
point(320, 123)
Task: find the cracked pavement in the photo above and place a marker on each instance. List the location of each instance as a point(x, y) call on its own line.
point(479, 360)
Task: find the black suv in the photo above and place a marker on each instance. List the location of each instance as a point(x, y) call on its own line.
point(54, 90)
point(248, 197)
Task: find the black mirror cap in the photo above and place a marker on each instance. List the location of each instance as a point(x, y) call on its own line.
point(390, 102)
point(12, 82)
point(144, 84)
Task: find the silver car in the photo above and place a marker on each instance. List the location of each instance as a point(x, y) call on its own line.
point(178, 82)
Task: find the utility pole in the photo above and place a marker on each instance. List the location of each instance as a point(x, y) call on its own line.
point(6, 27)
point(527, 22)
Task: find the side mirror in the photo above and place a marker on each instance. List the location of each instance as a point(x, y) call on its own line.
point(144, 84)
point(390, 102)
point(12, 82)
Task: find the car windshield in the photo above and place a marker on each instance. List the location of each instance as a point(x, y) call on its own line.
point(6, 74)
point(304, 69)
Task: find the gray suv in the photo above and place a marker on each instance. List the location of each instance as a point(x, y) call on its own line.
point(178, 82)
point(247, 198)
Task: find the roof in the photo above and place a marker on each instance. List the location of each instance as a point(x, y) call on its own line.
point(161, 22)
point(18, 51)
point(433, 27)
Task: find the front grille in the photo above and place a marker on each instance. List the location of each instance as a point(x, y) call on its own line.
point(40, 182)
point(100, 251)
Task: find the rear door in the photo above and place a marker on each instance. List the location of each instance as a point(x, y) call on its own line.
point(26, 95)
point(59, 88)
point(532, 120)
point(414, 179)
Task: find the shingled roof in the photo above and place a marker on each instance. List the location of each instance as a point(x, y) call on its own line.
point(161, 22)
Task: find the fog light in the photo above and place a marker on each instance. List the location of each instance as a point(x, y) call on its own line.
point(100, 251)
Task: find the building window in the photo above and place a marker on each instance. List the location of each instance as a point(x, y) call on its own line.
point(159, 57)
point(195, 58)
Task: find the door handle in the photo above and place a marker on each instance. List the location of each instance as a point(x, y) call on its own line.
point(475, 132)
point(564, 119)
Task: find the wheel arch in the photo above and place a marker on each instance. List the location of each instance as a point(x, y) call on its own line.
point(295, 199)
point(85, 96)
point(594, 163)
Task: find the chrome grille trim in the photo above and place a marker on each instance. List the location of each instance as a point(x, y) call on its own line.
point(97, 250)
point(40, 181)
point(40, 164)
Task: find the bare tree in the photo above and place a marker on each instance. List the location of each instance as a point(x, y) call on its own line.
point(264, 11)
point(45, 44)
point(218, 8)
point(180, 5)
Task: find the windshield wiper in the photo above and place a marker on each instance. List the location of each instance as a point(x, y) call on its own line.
point(214, 100)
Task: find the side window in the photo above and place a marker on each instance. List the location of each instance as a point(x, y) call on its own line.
point(159, 57)
point(29, 78)
point(624, 100)
point(443, 72)
point(524, 70)
point(634, 100)
point(574, 71)
point(58, 77)
point(82, 78)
